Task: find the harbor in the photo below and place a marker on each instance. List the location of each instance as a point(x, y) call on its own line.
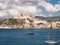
point(29, 22)
point(20, 36)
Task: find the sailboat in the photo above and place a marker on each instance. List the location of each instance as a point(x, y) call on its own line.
point(51, 41)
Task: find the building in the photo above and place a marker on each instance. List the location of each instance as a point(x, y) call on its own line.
point(23, 16)
point(41, 23)
point(31, 22)
point(55, 25)
point(58, 24)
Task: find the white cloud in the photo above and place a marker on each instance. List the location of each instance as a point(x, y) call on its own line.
point(50, 15)
point(25, 9)
point(13, 11)
point(17, 1)
point(57, 7)
point(49, 7)
point(58, 1)
point(39, 13)
point(3, 6)
point(39, 10)
point(31, 9)
point(3, 13)
point(42, 15)
point(13, 7)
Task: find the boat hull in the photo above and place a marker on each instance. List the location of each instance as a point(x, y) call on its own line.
point(50, 42)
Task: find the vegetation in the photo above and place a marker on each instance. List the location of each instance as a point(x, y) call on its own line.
point(21, 21)
point(56, 18)
point(1, 22)
point(12, 21)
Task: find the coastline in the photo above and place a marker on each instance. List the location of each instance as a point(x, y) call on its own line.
point(26, 28)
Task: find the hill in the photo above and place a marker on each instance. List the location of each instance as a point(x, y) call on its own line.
point(49, 19)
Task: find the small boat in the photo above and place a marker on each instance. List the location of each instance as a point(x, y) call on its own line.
point(30, 33)
point(50, 42)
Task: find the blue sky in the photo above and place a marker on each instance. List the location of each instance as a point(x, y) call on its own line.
point(54, 1)
point(45, 8)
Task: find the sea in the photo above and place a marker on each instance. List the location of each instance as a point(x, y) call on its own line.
point(22, 36)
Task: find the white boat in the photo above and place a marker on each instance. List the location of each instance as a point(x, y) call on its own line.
point(53, 41)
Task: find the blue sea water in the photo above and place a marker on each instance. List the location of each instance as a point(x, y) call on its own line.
point(20, 36)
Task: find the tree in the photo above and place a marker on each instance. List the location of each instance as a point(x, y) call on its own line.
point(21, 21)
point(12, 22)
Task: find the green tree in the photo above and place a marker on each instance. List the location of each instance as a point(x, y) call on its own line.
point(12, 22)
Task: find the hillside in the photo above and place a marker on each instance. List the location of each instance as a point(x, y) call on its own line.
point(55, 18)
point(12, 21)
point(40, 17)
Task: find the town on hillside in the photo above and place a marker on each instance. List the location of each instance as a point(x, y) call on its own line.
point(28, 21)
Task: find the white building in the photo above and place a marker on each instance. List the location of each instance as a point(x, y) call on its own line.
point(23, 16)
point(41, 23)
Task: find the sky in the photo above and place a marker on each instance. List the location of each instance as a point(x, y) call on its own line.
point(44, 8)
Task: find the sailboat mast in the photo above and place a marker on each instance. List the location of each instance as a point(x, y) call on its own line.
point(49, 35)
point(53, 35)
